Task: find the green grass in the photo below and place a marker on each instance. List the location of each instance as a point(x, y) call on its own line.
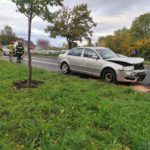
point(70, 113)
point(147, 62)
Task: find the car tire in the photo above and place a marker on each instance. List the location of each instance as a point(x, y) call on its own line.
point(65, 68)
point(108, 75)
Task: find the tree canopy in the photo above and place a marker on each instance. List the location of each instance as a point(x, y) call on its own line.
point(125, 40)
point(141, 27)
point(119, 42)
point(32, 8)
point(73, 24)
point(7, 35)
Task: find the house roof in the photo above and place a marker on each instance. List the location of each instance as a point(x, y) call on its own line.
point(31, 43)
point(25, 42)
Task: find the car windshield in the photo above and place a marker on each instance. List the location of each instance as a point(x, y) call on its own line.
point(107, 53)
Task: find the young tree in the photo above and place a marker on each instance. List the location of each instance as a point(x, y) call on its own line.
point(73, 24)
point(32, 8)
point(7, 35)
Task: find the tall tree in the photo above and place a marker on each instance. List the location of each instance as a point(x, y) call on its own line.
point(7, 35)
point(141, 27)
point(32, 8)
point(120, 42)
point(143, 47)
point(101, 41)
point(73, 24)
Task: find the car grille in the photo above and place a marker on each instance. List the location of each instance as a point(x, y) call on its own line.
point(139, 66)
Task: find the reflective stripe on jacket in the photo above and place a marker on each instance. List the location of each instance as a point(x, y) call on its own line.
point(19, 49)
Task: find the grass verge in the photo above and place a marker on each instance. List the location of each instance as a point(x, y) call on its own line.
point(147, 62)
point(68, 112)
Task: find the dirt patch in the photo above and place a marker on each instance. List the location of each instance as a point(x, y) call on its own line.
point(24, 84)
point(142, 88)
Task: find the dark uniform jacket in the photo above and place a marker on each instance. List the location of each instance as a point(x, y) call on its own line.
point(19, 49)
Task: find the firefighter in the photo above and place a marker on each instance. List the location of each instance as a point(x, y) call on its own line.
point(1, 51)
point(19, 52)
point(11, 49)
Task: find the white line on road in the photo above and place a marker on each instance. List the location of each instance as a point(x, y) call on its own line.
point(44, 62)
point(40, 58)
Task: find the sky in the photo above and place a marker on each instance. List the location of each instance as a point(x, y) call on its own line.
point(110, 15)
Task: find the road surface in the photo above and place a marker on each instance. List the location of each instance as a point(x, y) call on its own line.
point(51, 64)
point(46, 63)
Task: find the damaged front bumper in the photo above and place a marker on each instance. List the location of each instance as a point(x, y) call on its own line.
point(131, 76)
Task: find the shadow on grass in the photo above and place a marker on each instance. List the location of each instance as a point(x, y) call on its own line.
point(84, 76)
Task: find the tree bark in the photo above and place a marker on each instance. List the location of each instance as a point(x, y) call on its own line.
point(29, 53)
point(69, 45)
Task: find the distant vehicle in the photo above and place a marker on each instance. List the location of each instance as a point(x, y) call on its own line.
point(104, 63)
point(6, 51)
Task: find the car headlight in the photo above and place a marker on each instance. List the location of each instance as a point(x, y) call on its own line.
point(128, 68)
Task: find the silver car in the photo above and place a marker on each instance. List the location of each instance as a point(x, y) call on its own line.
point(104, 63)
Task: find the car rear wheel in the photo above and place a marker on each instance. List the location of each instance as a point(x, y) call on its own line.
point(65, 68)
point(109, 75)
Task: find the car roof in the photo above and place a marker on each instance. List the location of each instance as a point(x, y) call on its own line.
point(95, 48)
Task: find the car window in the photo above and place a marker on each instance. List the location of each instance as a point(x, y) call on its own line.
point(76, 52)
point(107, 53)
point(89, 53)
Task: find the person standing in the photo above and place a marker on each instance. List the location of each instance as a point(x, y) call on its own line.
point(134, 53)
point(19, 52)
point(1, 51)
point(11, 48)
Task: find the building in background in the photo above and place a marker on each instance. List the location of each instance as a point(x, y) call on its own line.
point(25, 44)
point(42, 45)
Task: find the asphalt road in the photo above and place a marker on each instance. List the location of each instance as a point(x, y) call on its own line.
point(46, 63)
point(51, 64)
point(147, 78)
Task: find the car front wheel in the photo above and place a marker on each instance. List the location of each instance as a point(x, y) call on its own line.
point(109, 75)
point(65, 68)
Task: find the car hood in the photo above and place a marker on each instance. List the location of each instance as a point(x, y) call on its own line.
point(127, 60)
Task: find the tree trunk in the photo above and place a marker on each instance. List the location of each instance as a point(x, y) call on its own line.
point(29, 53)
point(69, 45)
